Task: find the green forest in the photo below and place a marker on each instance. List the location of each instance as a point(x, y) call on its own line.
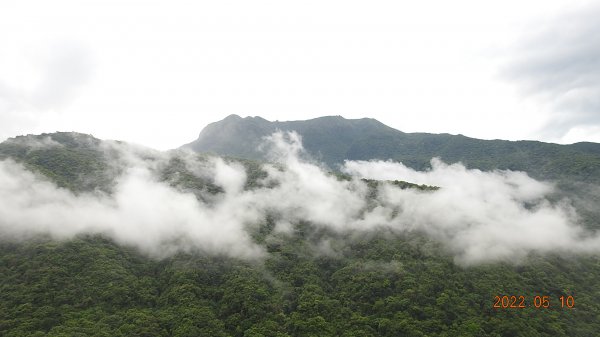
point(379, 283)
point(383, 286)
point(333, 139)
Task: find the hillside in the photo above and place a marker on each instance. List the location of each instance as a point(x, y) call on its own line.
point(333, 139)
point(311, 280)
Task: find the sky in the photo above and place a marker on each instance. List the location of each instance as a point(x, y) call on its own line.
point(156, 72)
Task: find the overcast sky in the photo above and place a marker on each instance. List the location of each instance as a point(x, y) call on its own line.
point(156, 72)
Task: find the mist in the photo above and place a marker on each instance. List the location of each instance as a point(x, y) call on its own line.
point(482, 216)
point(477, 216)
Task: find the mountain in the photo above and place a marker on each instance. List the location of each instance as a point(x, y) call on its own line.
point(312, 281)
point(328, 139)
point(333, 139)
point(70, 159)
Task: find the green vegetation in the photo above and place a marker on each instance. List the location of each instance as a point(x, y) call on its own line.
point(382, 285)
point(71, 160)
point(334, 139)
point(312, 282)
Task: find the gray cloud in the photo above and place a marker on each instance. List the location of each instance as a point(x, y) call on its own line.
point(479, 216)
point(560, 64)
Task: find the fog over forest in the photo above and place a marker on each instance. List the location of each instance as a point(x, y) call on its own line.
point(477, 216)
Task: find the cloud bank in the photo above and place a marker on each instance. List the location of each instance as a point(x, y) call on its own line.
point(481, 216)
point(478, 216)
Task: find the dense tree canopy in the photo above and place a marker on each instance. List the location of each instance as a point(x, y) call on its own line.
point(378, 283)
point(381, 286)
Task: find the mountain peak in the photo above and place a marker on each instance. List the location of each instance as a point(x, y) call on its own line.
point(241, 137)
point(232, 117)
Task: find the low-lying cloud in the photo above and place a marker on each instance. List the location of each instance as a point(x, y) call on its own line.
point(481, 216)
point(142, 211)
point(478, 216)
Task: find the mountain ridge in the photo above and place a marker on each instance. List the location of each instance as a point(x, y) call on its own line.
point(223, 137)
point(333, 139)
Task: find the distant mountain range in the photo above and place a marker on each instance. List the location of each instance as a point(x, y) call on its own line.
point(333, 139)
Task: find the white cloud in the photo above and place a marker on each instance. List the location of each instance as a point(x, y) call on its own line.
point(478, 216)
point(481, 216)
point(142, 211)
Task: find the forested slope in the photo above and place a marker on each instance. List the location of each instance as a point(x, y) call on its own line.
point(382, 286)
point(334, 139)
point(312, 282)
